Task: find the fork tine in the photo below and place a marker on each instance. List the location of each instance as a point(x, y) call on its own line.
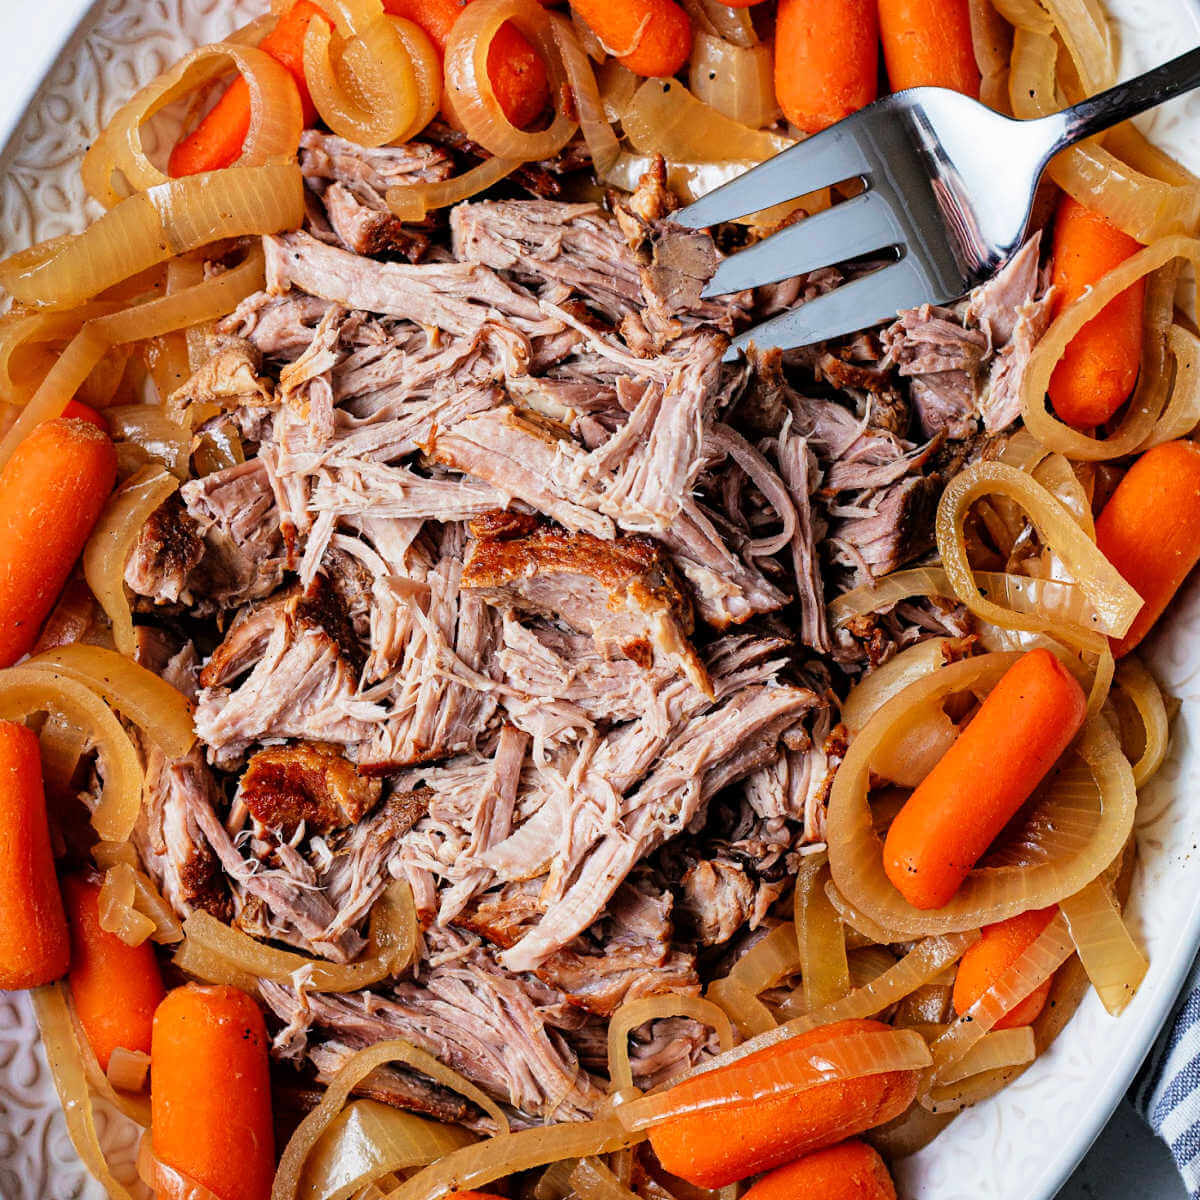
point(826, 158)
point(863, 225)
point(853, 306)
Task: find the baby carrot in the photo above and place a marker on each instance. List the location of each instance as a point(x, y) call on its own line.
point(34, 946)
point(1000, 946)
point(210, 1094)
point(649, 37)
point(928, 43)
point(78, 411)
point(826, 59)
point(516, 72)
point(217, 140)
point(848, 1171)
point(115, 987)
point(711, 1148)
point(51, 492)
point(1027, 720)
point(1150, 530)
point(1100, 365)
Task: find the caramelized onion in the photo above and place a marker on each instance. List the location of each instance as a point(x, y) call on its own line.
point(25, 691)
point(367, 1140)
point(393, 942)
point(506, 1154)
point(1144, 410)
point(360, 74)
point(1031, 969)
point(848, 1057)
point(1000, 1048)
point(601, 142)
point(148, 426)
point(1112, 960)
point(414, 201)
point(592, 1180)
point(427, 67)
point(128, 1070)
point(736, 81)
point(161, 711)
point(213, 298)
point(1113, 601)
point(150, 227)
point(665, 118)
point(272, 137)
point(70, 1081)
point(1084, 30)
point(1182, 412)
point(768, 962)
point(634, 1013)
point(469, 87)
point(1136, 683)
point(113, 539)
point(824, 971)
point(735, 25)
point(147, 899)
point(118, 913)
point(1086, 813)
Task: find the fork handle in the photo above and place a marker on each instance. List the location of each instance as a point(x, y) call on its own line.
point(1103, 111)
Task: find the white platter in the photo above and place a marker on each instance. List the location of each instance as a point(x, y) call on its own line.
point(1021, 1145)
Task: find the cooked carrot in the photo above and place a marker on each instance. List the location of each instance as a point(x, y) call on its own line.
point(826, 59)
point(51, 492)
point(210, 1093)
point(34, 945)
point(516, 72)
point(217, 140)
point(78, 411)
point(1000, 946)
point(115, 987)
point(1021, 728)
point(1100, 366)
point(716, 1146)
point(928, 43)
point(649, 37)
point(848, 1171)
point(1150, 530)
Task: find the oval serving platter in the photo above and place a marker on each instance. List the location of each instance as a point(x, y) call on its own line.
point(1020, 1145)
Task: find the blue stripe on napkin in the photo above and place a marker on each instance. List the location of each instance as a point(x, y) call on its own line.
point(1167, 1089)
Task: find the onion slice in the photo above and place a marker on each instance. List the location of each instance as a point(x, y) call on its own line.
point(1000, 1048)
point(1081, 821)
point(736, 81)
point(118, 912)
point(272, 137)
point(25, 692)
point(824, 970)
point(112, 541)
point(66, 1069)
point(1114, 602)
point(1112, 960)
point(147, 899)
point(213, 298)
point(601, 142)
point(367, 1140)
point(152, 226)
point(414, 201)
point(767, 963)
point(393, 942)
point(161, 711)
point(634, 1013)
point(1032, 968)
point(469, 88)
point(1136, 683)
point(148, 427)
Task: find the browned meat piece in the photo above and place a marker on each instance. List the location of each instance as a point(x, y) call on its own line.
point(455, 297)
point(623, 592)
point(351, 182)
point(798, 466)
point(892, 527)
point(718, 897)
point(229, 379)
point(400, 1088)
point(168, 549)
point(237, 515)
point(303, 683)
point(285, 785)
point(169, 841)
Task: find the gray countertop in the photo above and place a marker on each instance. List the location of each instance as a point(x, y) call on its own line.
point(1126, 1161)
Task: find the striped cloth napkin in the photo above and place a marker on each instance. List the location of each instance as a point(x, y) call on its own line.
point(1167, 1089)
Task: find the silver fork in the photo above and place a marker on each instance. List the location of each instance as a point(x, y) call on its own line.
point(949, 186)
